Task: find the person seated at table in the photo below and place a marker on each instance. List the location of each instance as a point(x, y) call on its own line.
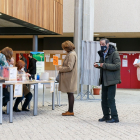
point(5, 58)
point(26, 93)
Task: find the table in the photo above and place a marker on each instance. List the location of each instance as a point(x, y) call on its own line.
point(35, 101)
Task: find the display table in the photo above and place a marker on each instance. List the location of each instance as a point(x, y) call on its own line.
point(35, 101)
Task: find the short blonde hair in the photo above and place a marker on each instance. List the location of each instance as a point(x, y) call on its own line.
point(68, 46)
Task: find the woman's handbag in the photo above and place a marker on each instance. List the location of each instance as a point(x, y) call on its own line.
point(57, 78)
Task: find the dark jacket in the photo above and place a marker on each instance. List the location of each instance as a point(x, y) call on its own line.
point(110, 72)
point(24, 59)
point(32, 66)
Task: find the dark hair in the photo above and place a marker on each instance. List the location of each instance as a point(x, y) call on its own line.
point(68, 46)
point(21, 54)
point(8, 52)
point(20, 64)
point(31, 54)
point(106, 40)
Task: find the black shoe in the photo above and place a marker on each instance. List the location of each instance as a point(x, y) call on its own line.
point(24, 109)
point(3, 112)
point(104, 119)
point(16, 110)
point(112, 121)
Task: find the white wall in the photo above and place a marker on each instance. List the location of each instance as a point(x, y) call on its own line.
point(110, 16)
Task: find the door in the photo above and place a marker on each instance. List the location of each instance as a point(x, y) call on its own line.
point(129, 72)
point(125, 71)
point(135, 84)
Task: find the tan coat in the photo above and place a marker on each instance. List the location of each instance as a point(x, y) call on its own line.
point(68, 74)
point(138, 72)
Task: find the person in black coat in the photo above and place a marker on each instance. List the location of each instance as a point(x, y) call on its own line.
point(32, 66)
point(23, 59)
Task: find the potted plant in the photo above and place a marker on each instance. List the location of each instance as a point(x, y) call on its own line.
point(96, 90)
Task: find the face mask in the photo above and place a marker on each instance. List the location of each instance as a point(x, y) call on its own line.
point(22, 69)
point(11, 65)
point(103, 48)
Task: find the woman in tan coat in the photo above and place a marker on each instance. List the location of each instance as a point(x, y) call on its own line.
point(68, 75)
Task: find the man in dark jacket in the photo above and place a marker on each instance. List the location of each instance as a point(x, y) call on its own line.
point(32, 66)
point(109, 65)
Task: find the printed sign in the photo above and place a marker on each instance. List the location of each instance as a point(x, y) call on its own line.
point(55, 60)
point(124, 63)
point(18, 90)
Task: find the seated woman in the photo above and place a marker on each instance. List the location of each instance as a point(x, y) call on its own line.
point(26, 93)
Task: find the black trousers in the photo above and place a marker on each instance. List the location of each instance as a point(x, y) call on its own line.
point(6, 97)
point(27, 100)
point(32, 76)
point(108, 101)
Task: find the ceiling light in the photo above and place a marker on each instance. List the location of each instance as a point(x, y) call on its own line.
point(12, 19)
point(41, 29)
point(96, 34)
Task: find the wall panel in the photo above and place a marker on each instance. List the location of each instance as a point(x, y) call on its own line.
point(43, 13)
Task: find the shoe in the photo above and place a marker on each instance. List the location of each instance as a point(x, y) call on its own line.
point(104, 119)
point(68, 114)
point(112, 121)
point(3, 112)
point(24, 109)
point(16, 110)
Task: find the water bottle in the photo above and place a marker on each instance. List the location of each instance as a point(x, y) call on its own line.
point(38, 77)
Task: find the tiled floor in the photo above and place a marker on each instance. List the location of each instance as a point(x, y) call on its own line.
point(50, 125)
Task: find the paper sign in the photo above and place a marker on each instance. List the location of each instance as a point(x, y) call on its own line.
point(58, 55)
point(63, 56)
point(55, 60)
point(59, 62)
point(18, 90)
point(51, 59)
point(47, 55)
point(136, 61)
point(51, 87)
point(47, 59)
point(125, 56)
point(124, 63)
point(12, 73)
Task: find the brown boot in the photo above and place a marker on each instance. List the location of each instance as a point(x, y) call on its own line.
point(68, 114)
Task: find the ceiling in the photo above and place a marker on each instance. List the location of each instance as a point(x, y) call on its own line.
point(5, 23)
point(13, 26)
point(107, 35)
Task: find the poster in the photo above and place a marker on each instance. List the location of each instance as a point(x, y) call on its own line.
point(55, 60)
point(63, 56)
point(59, 62)
point(124, 63)
point(39, 56)
point(58, 55)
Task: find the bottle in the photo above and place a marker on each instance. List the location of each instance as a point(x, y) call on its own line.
point(38, 77)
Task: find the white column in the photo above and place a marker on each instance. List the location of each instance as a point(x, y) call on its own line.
point(88, 20)
point(78, 35)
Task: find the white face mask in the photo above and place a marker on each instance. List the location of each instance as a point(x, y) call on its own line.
point(22, 69)
point(11, 65)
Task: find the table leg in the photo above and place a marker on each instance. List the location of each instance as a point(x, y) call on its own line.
point(35, 99)
point(43, 95)
point(1, 96)
point(59, 98)
point(8, 107)
point(53, 98)
point(11, 104)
